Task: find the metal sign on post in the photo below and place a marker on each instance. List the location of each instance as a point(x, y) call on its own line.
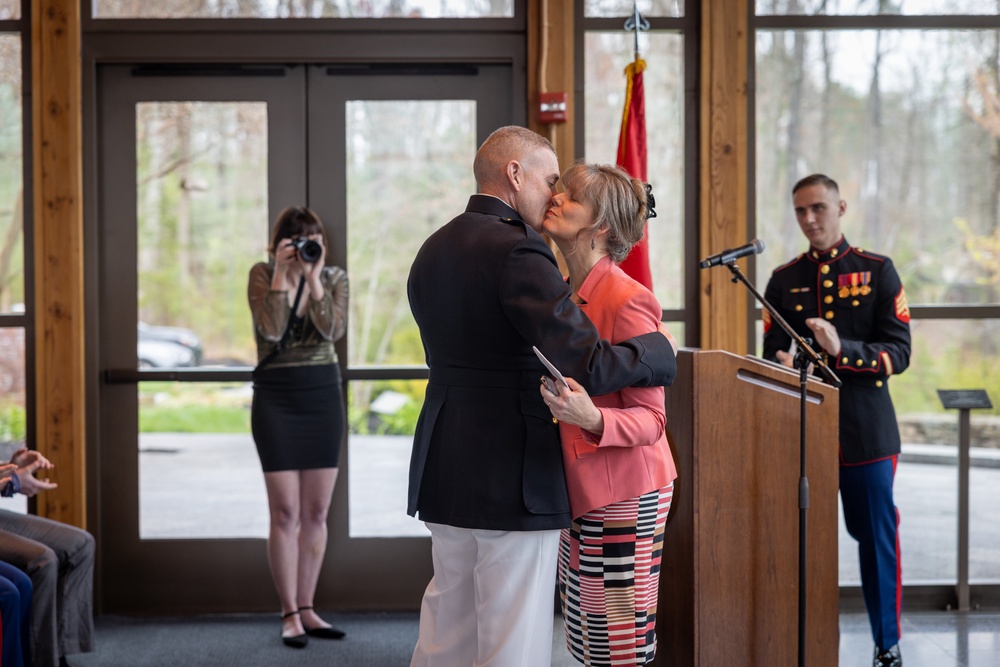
point(963, 400)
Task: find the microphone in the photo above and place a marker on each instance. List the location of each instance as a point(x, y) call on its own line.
point(755, 247)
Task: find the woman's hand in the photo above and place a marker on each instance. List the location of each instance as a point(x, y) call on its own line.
point(286, 267)
point(314, 271)
point(574, 406)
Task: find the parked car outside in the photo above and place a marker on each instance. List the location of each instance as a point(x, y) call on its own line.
point(168, 347)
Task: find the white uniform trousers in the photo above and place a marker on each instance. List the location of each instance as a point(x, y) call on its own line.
point(491, 600)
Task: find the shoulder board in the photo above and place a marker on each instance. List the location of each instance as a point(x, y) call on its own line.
point(791, 263)
point(861, 252)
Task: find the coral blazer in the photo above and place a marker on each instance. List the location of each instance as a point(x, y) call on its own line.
point(632, 456)
point(483, 289)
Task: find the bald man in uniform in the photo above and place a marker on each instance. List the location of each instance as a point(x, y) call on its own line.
point(486, 471)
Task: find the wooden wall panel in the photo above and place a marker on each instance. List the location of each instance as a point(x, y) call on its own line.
point(723, 177)
point(550, 69)
point(58, 252)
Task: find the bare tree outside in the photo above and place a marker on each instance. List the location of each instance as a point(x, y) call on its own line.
point(871, 7)
point(11, 178)
point(202, 219)
point(901, 119)
point(648, 8)
point(13, 427)
point(423, 168)
point(302, 9)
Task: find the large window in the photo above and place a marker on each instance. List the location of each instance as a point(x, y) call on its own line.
point(11, 173)
point(271, 9)
point(201, 178)
point(904, 116)
point(871, 7)
point(421, 167)
point(14, 408)
point(667, 49)
point(648, 8)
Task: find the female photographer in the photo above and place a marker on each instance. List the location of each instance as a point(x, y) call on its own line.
point(299, 308)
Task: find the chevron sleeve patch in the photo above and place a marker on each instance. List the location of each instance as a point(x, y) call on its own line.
point(902, 307)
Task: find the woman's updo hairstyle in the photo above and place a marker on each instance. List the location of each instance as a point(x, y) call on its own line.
point(620, 203)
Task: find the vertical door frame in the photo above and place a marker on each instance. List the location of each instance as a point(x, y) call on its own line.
point(104, 47)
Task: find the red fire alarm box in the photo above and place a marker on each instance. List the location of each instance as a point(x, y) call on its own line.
point(552, 107)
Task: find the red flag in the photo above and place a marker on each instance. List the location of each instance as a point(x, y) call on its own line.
point(632, 158)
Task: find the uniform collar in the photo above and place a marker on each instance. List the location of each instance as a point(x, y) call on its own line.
point(490, 205)
point(836, 251)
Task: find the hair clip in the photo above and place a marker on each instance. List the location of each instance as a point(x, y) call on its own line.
point(650, 202)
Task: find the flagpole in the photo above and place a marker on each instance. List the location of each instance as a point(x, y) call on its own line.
point(632, 145)
point(636, 23)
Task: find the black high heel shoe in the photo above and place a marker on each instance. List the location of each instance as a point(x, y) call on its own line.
point(295, 641)
point(329, 632)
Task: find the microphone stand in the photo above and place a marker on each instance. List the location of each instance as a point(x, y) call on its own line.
point(804, 356)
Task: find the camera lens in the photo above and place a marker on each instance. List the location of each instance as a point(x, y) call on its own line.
point(308, 249)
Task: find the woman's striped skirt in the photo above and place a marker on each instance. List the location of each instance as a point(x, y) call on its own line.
point(609, 572)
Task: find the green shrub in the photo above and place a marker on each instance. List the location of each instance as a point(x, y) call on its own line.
point(13, 424)
point(194, 419)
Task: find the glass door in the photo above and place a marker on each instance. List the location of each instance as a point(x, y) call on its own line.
point(390, 161)
point(194, 165)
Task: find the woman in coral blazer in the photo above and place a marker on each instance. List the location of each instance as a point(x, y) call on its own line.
point(619, 468)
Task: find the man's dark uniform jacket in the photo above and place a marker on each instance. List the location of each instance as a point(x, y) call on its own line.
point(486, 453)
point(861, 295)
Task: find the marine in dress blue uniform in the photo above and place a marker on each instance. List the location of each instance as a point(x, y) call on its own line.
point(852, 300)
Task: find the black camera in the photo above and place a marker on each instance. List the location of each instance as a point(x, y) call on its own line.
point(309, 250)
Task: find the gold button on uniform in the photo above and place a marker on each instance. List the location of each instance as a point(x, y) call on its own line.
point(828, 284)
point(878, 383)
point(828, 314)
point(860, 363)
point(855, 302)
point(874, 363)
point(844, 361)
point(825, 269)
point(828, 299)
point(798, 307)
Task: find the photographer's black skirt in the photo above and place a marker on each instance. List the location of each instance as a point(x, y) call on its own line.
point(297, 417)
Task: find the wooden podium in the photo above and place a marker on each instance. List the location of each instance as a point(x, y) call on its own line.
point(729, 579)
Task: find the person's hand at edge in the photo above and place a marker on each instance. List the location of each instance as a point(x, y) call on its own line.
point(6, 470)
point(31, 485)
point(25, 456)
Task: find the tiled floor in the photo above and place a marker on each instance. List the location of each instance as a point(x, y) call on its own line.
point(930, 639)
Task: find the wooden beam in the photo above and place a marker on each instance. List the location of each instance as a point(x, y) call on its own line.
point(723, 177)
point(58, 253)
point(550, 69)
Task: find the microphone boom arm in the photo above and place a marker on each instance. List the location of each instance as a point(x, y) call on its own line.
point(803, 345)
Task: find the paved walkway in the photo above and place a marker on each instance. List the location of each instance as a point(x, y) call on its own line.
point(211, 485)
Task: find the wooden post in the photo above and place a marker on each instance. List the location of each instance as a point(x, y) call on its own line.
point(724, 163)
point(550, 69)
point(58, 252)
